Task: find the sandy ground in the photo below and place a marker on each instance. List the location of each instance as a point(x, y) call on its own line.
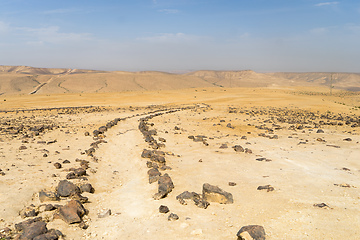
point(306, 167)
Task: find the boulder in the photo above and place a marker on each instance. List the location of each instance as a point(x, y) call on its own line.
point(166, 185)
point(72, 212)
point(33, 230)
point(215, 194)
point(256, 232)
point(87, 187)
point(154, 175)
point(66, 188)
point(238, 148)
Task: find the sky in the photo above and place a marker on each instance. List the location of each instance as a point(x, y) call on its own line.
point(182, 35)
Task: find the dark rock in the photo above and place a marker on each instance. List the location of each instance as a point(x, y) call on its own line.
point(187, 196)
point(30, 211)
point(66, 161)
point(45, 196)
point(57, 165)
point(215, 194)
point(165, 186)
point(224, 145)
point(33, 230)
point(51, 235)
point(321, 205)
point(66, 188)
point(87, 187)
point(87, 134)
point(269, 188)
point(232, 184)
point(22, 147)
point(154, 175)
point(163, 209)
point(238, 148)
point(348, 139)
point(22, 225)
point(257, 232)
point(146, 153)
point(72, 212)
point(320, 131)
point(83, 225)
point(173, 217)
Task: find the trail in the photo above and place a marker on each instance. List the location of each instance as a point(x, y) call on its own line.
point(37, 89)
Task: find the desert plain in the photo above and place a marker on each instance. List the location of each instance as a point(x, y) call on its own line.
point(289, 155)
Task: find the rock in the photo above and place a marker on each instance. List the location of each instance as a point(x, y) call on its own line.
point(22, 147)
point(104, 213)
point(66, 161)
point(215, 194)
point(173, 217)
point(30, 211)
point(57, 165)
point(238, 148)
point(83, 225)
point(224, 145)
point(187, 196)
point(320, 131)
point(321, 205)
point(48, 196)
point(33, 230)
point(51, 235)
point(165, 186)
point(348, 139)
point(87, 187)
point(232, 184)
point(66, 188)
point(22, 225)
point(72, 212)
point(256, 232)
point(163, 209)
point(269, 188)
point(87, 134)
point(247, 150)
point(154, 175)
point(46, 207)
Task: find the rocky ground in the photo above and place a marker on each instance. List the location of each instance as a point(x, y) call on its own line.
point(215, 169)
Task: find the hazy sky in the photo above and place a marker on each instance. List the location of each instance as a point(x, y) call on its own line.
point(166, 35)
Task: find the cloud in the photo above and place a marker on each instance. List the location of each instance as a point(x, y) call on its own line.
point(51, 35)
point(326, 4)
point(170, 38)
point(169, 11)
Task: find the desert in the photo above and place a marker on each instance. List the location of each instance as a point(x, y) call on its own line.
point(151, 155)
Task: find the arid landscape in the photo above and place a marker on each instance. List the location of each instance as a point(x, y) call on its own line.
point(90, 154)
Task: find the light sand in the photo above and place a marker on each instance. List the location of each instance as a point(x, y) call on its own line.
point(302, 174)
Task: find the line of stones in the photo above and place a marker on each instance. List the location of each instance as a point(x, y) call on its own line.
point(35, 227)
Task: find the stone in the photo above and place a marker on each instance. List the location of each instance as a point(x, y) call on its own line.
point(320, 131)
point(215, 194)
point(224, 145)
point(238, 148)
point(154, 175)
point(232, 184)
point(66, 188)
point(165, 186)
point(33, 230)
point(45, 196)
point(87, 187)
point(22, 225)
point(57, 165)
point(173, 217)
point(187, 196)
point(50, 235)
point(163, 209)
point(30, 211)
point(104, 213)
point(256, 232)
point(72, 212)
point(269, 188)
point(22, 147)
point(348, 139)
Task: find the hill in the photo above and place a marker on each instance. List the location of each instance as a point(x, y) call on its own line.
point(30, 80)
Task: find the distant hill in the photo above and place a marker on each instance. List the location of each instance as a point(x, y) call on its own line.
point(30, 80)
